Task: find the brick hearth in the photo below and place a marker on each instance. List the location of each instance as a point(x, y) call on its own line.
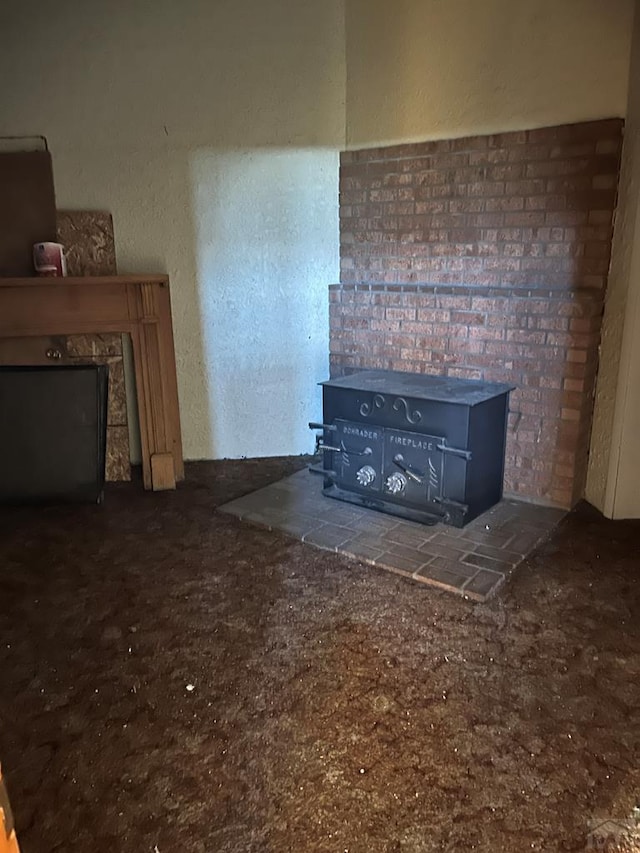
point(473, 561)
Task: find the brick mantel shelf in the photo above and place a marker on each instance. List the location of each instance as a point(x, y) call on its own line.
point(137, 305)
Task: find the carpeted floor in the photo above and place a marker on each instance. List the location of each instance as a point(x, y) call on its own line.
point(174, 679)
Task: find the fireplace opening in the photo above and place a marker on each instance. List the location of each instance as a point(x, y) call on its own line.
point(53, 423)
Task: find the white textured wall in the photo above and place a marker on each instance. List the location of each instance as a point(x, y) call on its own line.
point(211, 132)
point(613, 484)
point(419, 69)
point(265, 323)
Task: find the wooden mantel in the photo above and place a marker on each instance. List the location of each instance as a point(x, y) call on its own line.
point(137, 305)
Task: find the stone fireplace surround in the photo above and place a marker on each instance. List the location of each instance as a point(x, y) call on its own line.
point(487, 258)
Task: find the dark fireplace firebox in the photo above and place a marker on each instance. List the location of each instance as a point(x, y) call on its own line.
point(426, 448)
point(53, 423)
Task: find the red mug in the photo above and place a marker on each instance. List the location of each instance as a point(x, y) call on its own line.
point(49, 259)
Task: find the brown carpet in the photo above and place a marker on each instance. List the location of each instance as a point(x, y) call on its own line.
point(175, 679)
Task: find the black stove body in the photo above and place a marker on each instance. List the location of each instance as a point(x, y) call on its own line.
point(427, 448)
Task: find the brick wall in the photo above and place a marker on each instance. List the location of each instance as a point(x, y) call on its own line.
point(487, 258)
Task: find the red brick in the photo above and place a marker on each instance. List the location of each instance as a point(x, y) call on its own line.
point(468, 318)
point(600, 217)
point(562, 498)
point(578, 149)
point(525, 218)
point(505, 264)
point(385, 325)
point(456, 333)
point(397, 340)
point(546, 202)
point(399, 208)
point(471, 205)
point(575, 370)
point(530, 306)
point(529, 152)
point(555, 168)
point(481, 333)
point(486, 189)
point(495, 156)
point(567, 217)
point(574, 385)
point(567, 471)
point(353, 197)
point(429, 315)
point(609, 146)
point(464, 372)
point(430, 206)
point(432, 216)
point(506, 203)
point(526, 337)
point(597, 250)
point(460, 303)
point(505, 172)
point(429, 343)
point(570, 414)
point(495, 304)
point(471, 348)
point(550, 382)
point(573, 399)
point(579, 356)
point(401, 314)
point(555, 324)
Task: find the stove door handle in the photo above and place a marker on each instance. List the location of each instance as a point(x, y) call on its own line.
point(455, 451)
point(331, 427)
point(366, 452)
point(416, 476)
point(320, 445)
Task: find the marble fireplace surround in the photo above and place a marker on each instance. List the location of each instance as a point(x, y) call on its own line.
point(136, 305)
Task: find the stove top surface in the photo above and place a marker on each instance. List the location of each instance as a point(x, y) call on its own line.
point(442, 389)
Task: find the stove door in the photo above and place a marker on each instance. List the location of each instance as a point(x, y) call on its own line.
point(357, 456)
point(413, 468)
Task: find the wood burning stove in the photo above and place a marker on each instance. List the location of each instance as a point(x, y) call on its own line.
point(427, 448)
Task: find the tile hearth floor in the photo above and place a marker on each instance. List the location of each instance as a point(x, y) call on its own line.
point(473, 561)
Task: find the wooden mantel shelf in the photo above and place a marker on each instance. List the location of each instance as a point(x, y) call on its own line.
point(138, 305)
point(94, 281)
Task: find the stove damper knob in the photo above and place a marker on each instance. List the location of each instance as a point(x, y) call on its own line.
point(396, 483)
point(366, 476)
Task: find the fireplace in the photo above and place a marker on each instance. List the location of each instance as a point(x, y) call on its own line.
point(486, 258)
point(139, 306)
point(53, 423)
point(426, 448)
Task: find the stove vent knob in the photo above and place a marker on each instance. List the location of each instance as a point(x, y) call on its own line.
point(366, 476)
point(396, 483)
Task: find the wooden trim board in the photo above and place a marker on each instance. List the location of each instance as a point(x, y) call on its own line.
point(137, 305)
